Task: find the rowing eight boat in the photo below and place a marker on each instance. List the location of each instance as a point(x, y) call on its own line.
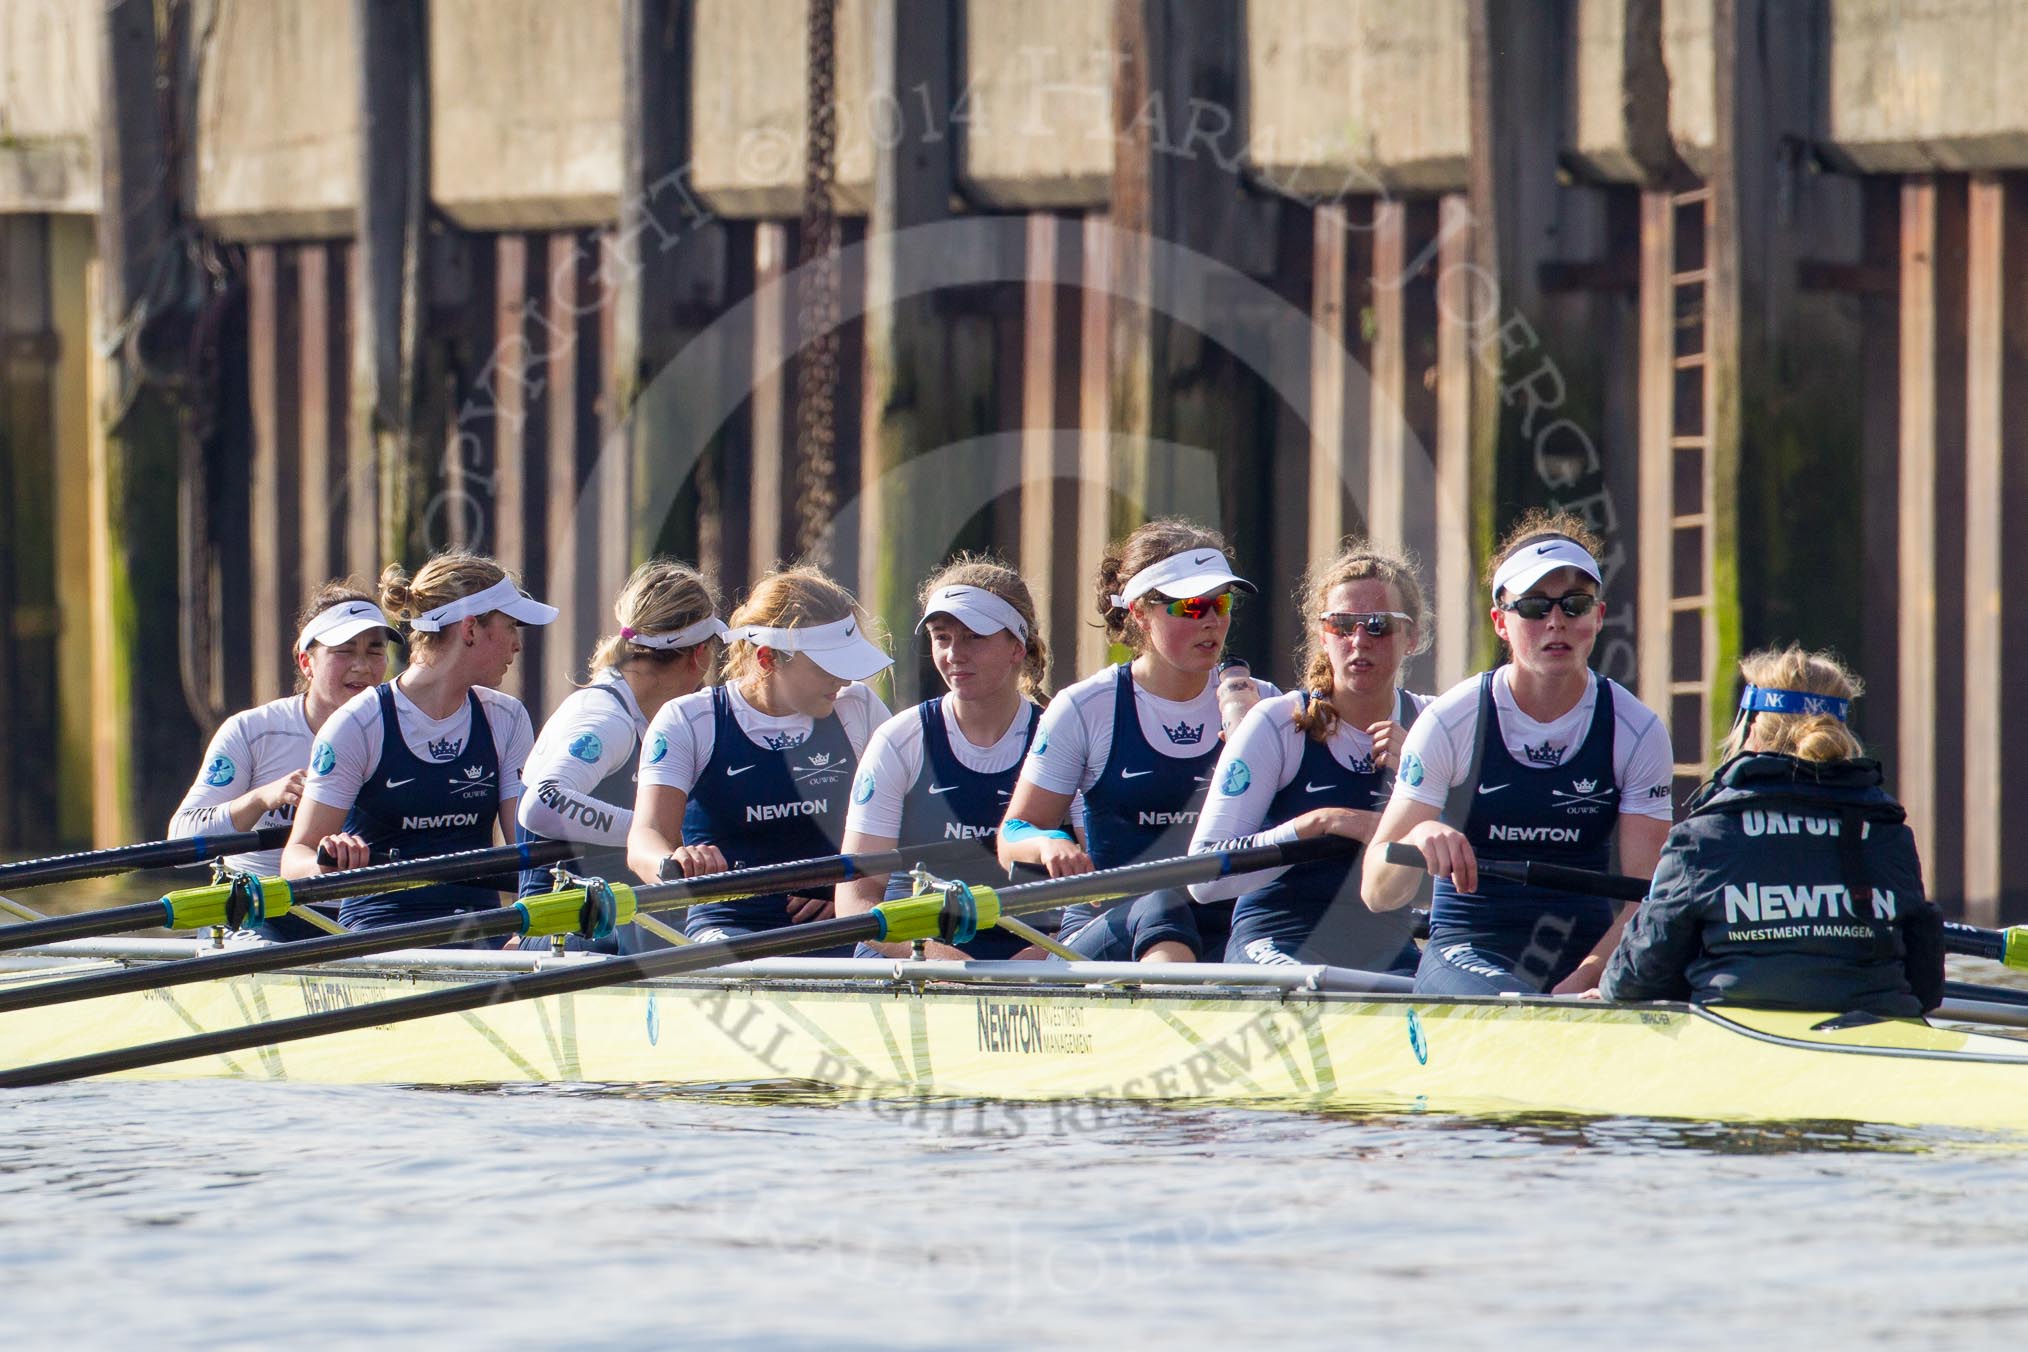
point(1277, 1037)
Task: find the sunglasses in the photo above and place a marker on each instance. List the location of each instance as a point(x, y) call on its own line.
point(1572, 604)
point(1376, 623)
point(1198, 607)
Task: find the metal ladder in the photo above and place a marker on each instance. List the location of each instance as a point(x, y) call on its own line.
point(1678, 622)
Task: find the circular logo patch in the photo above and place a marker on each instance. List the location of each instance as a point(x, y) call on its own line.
point(219, 773)
point(1411, 769)
point(587, 747)
point(323, 758)
point(862, 792)
point(1237, 777)
point(658, 747)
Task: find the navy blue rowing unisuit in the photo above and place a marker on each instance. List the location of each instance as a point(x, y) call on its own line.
point(1312, 911)
point(950, 802)
point(409, 807)
point(1509, 936)
point(616, 789)
point(1145, 806)
point(765, 805)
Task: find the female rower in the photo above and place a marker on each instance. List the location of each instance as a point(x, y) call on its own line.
point(1794, 880)
point(427, 763)
point(581, 775)
point(945, 769)
point(759, 770)
point(254, 769)
point(1320, 761)
point(1536, 759)
point(1138, 741)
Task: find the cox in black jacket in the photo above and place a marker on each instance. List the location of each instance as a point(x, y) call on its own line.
point(1793, 884)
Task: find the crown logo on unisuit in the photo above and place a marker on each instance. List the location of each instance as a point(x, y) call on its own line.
point(447, 749)
point(1183, 734)
point(1585, 785)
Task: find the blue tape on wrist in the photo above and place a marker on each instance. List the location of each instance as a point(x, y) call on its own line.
point(1014, 831)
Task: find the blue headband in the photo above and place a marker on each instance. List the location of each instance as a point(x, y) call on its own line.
point(1760, 700)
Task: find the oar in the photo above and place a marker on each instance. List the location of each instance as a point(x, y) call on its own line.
point(952, 916)
point(2008, 946)
point(590, 911)
point(66, 868)
point(250, 900)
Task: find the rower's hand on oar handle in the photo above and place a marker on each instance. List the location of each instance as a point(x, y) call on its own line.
point(693, 861)
point(1440, 849)
point(343, 851)
point(1063, 858)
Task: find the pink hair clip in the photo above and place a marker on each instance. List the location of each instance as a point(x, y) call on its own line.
point(626, 631)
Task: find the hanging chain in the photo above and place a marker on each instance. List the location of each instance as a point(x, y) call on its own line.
point(817, 294)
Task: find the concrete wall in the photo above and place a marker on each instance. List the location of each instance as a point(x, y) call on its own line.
point(49, 105)
point(1687, 50)
point(1934, 85)
point(1618, 91)
point(1035, 97)
point(278, 120)
point(525, 112)
point(1348, 95)
point(748, 106)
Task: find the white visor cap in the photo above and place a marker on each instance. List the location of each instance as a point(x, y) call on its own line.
point(689, 636)
point(333, 625)
point(503, 596)
point(977, 609)
point(1531, 563)
point(840, 647)
point(1194, 572)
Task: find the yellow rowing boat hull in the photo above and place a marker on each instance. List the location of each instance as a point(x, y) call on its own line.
point(1262, 1048)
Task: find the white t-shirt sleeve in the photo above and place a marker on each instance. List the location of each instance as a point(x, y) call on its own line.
point(1646, 766)
point(1253, 767)
point(679, 742)
point(860, 710)
point(888, 769)
point(589, 738)
point(345, 751)
point(226, 772)
point(1061, 758)
point(1431, 763)
point(513, 738)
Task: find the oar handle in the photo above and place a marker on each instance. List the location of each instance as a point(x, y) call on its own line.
point(1554, 877)
point(66, 868)
point(761, 879)
point(1155, 875)
point(431, 868)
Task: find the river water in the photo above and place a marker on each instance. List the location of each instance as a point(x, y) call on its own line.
point(218, 1213)
point(221, 1213)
